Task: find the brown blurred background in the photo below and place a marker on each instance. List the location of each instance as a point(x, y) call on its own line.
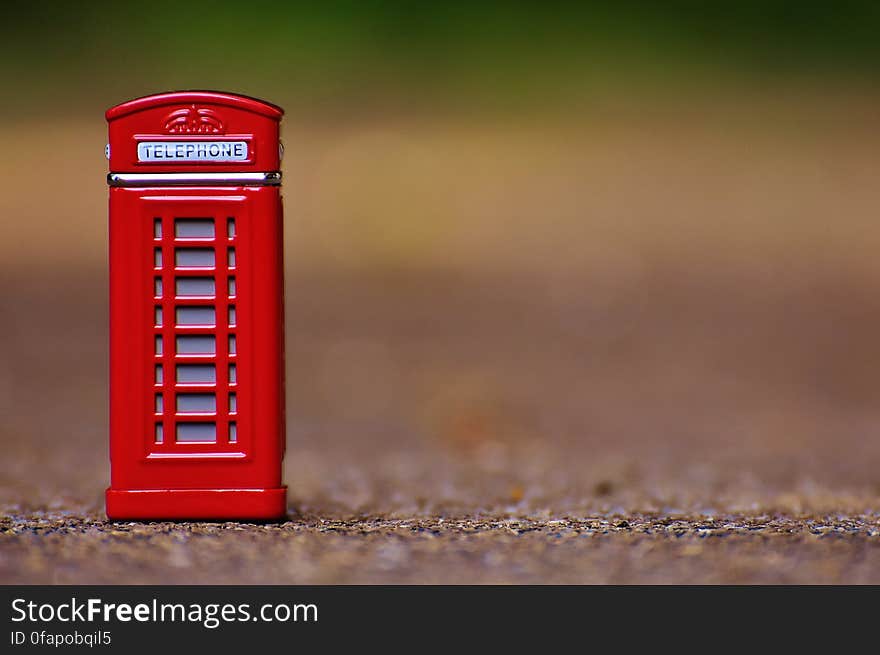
point(539, 263)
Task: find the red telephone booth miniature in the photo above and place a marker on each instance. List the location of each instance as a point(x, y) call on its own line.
point(196, 316)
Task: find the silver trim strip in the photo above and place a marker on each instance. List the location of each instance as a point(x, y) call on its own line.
point(176, 179)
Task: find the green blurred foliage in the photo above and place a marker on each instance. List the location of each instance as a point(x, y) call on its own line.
point(355, 56)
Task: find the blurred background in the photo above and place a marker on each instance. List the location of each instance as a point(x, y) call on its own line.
point(539, 258)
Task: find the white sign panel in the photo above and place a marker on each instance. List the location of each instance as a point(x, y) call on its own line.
point(192, 151)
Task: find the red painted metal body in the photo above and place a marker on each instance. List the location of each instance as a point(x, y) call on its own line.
point(196, 316)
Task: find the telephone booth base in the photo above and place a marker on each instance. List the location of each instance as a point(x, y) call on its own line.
point(193, 504)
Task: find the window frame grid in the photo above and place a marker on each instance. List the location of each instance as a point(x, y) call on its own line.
point(168, 243)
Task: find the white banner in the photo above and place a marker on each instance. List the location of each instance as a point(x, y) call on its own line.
point(194, 151)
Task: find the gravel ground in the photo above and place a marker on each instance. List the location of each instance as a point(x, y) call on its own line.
point(426, 449)
point(60, 548)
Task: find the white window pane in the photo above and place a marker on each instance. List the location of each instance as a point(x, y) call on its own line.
point(196, 402)
point(233, 374)
point(159, 433)
point(196, 344)
point(230, 227)
point(194, 228)
point(232, 257)
point(196, 432)
point(194, 257)
point(159, 344)
point(232, 316)
point(233, 433)
point(157, 228)
point(196, 316)
point(195, 286)
point(196, 374)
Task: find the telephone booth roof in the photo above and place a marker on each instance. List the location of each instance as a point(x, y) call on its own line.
point(182, 97)
point(160, 134)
